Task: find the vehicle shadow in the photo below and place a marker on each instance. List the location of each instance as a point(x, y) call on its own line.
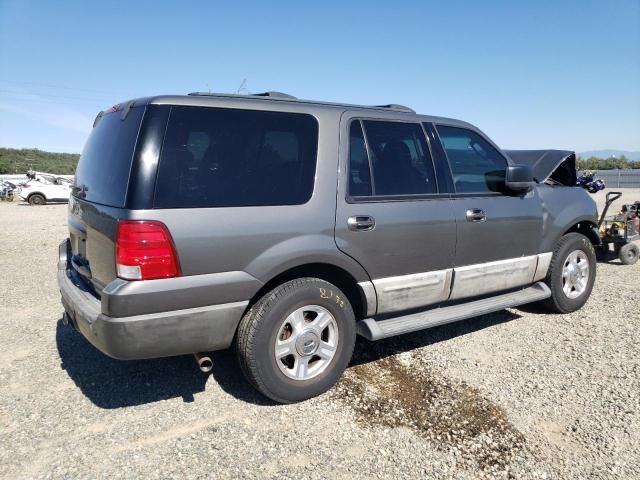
point(48, 204)
point(615, 261)
point(110, 383)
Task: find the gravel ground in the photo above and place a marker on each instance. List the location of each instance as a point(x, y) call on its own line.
point(519, 393)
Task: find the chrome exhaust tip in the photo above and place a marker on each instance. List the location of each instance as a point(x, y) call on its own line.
point(205, 364)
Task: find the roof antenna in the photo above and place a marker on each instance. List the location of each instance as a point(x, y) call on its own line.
point(243, 88)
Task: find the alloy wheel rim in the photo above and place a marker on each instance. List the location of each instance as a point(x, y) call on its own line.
point(575, 274)
point(306, 342)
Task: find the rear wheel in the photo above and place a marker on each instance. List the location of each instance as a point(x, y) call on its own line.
point(571, 274)
point(629, 253)
point(296, 341)
point(37, 199)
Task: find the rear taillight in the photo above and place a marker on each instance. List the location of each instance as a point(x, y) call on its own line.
point(145, 250)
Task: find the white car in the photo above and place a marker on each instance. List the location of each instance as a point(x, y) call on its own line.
point(44, 187)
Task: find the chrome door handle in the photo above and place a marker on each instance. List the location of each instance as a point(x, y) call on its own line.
point(476, 215)
point(361, 223)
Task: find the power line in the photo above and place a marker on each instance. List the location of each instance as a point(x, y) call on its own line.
point(65, 87)
point(35, 96)
point(68, 103)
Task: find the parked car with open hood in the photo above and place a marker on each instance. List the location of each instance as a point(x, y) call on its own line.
point(42, 188)
point(286, 227)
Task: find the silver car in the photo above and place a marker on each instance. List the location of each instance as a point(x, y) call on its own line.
point(287, 227)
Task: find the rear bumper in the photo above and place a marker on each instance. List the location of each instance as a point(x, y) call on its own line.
point(151, 335)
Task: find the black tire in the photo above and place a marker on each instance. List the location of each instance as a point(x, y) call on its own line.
point(629, 253)
point(37, 199)
point(559, 301)
point(261, 325)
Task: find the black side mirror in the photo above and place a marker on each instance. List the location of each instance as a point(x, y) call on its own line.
point(519, 178)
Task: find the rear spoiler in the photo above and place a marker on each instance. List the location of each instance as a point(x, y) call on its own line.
point(116, 108)
point(551, 166)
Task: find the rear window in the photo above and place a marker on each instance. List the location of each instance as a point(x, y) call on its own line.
point(215, 157)
point(105, 162)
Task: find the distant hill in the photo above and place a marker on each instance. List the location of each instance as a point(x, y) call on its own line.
point(633, 156)
point(14, 160)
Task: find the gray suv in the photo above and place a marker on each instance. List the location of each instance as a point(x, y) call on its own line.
point(287, 227)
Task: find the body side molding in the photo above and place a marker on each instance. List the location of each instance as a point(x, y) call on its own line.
point(394, 294)
point(415, 290)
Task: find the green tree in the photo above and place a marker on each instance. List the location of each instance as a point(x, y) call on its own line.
point(610, 163)
point(13, 160)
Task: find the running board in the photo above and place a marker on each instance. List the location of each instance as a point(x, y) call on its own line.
point(372, 329)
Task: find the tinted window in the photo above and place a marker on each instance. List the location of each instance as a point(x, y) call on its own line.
point(477, 167)
point(216, 157)
point(105, 162)
point(359, 173)
point(401, 161)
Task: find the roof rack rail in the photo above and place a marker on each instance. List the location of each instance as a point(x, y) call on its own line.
point(263, 94)
point(395, 106)
point(274, 95)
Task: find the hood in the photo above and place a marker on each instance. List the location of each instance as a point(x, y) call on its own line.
point(559, 166)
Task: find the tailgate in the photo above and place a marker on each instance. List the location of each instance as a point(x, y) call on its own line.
point(92, 231)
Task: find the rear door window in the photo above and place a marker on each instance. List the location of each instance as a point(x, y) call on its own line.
point(476, 166)
point(359, 169)
point(105, 163)
point(401, 161)
point(214, 157)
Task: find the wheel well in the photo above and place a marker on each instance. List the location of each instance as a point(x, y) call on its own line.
point(588, 229)
point(330, 273)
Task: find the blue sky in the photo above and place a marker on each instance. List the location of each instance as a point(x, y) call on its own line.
point(543, 74)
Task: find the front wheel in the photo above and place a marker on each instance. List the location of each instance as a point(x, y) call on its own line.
point(37, 199)
point(571, 274)
point(295, 342)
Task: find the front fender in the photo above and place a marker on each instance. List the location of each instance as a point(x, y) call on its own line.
point(564, 208)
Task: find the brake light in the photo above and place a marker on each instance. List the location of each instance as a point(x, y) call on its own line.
point(145, 251)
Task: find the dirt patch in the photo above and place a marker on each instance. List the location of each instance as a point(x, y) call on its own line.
point(451, 414)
